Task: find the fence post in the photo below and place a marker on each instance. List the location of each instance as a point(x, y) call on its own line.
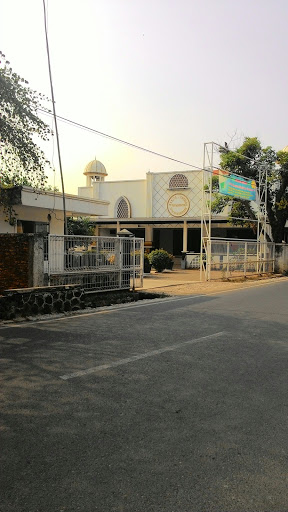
point(49, 259)
point(208, 259)
point(121, 261)
point(228, 255)
point(245, 260)
point(134, 256)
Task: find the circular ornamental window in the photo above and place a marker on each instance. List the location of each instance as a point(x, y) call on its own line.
point(178, 205)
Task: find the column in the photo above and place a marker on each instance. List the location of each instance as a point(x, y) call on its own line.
point(185, 235)
point(149, 194)
point(148, 237)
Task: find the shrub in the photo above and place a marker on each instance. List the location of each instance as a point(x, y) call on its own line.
point(147, 264)
point(159, 259)
point(171, 261)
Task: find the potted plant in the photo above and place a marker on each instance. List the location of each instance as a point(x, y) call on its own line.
point(159, 259)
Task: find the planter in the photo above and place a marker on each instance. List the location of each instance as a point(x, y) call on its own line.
point(147, 267)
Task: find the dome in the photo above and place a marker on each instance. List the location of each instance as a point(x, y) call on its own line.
point(95, 167)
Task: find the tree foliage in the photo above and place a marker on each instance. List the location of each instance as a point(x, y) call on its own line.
point(79, 226)
point(22, 161)
point(246, 161)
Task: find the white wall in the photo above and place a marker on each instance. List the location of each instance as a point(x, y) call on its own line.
point(74, 204)
point(34, 215)
point(161, 193)
point(36, 207)
point(149, 197)
point(134, 191)
point(85, 192)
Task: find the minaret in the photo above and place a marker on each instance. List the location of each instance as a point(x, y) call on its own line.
point(94, 172)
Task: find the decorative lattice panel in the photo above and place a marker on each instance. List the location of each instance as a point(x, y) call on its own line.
point(178, 181)
point(122, 209)
point(162, 194)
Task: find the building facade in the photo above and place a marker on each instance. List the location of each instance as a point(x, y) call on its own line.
point(164, 208)
point(42, 211)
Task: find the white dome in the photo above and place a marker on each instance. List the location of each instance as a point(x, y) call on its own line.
point(95, 167)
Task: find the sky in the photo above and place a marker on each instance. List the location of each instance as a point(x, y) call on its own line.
point(167, 75)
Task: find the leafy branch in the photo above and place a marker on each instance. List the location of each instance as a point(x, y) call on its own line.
point(21, 159)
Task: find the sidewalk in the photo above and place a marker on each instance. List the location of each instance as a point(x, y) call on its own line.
point(187, 282)
point(170, 278)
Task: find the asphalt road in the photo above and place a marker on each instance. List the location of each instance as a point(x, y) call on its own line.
point(173, 405)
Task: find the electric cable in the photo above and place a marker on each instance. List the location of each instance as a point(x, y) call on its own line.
point(121, 141)
point(141, 148)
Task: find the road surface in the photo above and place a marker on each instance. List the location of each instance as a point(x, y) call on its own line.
point(170, 405)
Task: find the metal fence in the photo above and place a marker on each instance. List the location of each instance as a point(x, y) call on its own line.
point(193, 260)
point(237, 258)
point(96, 262)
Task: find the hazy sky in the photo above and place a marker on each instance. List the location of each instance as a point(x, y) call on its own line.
point(168, 75)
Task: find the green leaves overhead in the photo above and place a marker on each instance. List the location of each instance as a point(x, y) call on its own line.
point(79, 226)
point(20, 157)
point(246, 161)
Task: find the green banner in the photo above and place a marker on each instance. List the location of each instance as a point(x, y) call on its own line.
point(235, 186)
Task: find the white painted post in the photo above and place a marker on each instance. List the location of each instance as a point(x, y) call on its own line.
point(134, 256)
point(185, 235)
point(227, 256)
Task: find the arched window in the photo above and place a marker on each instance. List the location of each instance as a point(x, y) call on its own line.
point(178, 181)
point(122, 208)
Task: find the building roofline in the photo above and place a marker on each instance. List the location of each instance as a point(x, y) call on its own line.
point(153, 220)
point(75, 197)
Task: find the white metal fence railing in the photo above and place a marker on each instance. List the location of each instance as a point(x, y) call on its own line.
point(98, 263)
point(237, 258)
point(193, 260)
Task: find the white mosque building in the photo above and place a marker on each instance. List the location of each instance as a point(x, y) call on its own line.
point(164, 208)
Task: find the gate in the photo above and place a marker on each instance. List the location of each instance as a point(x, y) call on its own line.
point(236, 258)
point(98, 263)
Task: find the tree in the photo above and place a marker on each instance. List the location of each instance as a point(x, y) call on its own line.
point(79, 226)
point(22, 161)
point(245, 161)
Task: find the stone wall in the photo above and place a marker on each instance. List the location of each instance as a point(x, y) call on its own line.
point(28, 303)
point(281, 258)
point(21, 260)
point(44, 300)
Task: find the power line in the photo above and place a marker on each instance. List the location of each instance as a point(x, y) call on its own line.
point(130, 144)
point(141, 148)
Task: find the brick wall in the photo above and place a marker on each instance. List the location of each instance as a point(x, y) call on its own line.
point(17, 260)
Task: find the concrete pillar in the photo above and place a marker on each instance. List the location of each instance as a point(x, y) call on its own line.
point(36, 260)
point(96, 190)
point(185, 235)
point(148, 237)
point(149, 194)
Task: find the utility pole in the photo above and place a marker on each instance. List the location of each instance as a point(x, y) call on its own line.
point(55, 120)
